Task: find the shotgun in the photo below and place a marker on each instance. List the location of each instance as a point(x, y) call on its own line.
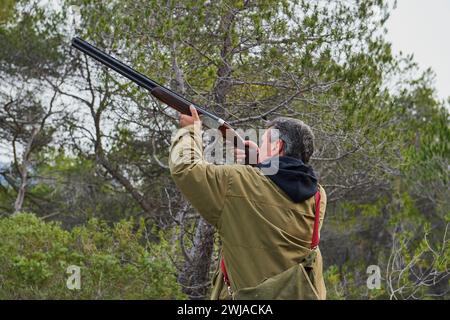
point(163, 94)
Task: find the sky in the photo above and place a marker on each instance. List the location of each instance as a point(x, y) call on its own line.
point(422, 27)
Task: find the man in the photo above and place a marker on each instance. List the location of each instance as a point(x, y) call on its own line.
point(265, 222)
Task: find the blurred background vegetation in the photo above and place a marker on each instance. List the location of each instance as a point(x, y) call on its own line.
point(83, 178)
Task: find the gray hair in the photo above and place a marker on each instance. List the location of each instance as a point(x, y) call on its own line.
point(297, 136)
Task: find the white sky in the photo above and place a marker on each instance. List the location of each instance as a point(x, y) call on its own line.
point(423, 28)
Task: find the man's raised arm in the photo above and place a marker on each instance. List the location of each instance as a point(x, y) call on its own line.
point(203, 184)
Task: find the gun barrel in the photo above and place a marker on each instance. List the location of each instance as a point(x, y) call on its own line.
point(113, 63)
point(162, 93)
point(178, 102)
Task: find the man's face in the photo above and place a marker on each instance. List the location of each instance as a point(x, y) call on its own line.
point(269, 148)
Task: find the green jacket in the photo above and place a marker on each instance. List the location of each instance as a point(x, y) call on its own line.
point(263, 232)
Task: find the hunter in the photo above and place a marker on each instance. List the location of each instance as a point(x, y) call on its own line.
point(269, 224)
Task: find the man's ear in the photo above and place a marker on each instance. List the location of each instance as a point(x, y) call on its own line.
point(277, 147)
point(280, 145)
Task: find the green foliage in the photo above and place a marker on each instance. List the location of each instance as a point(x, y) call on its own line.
point(30, 42)
point(6, 10)
point(349, 283)
point(74, 188)
point(117, 262)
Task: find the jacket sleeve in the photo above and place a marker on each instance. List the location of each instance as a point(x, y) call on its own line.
point(202, 183)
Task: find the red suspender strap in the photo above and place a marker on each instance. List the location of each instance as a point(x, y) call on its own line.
point(224, 271)
point(315, 235)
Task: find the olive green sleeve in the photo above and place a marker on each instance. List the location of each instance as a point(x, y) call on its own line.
point(203, 184)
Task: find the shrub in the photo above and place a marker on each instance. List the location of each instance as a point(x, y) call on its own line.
point(116, 262)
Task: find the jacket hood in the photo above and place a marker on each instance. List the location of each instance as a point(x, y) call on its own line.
point(296, 179)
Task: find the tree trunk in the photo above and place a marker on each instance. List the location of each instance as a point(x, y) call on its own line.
point(194, 277)
point(23, 170)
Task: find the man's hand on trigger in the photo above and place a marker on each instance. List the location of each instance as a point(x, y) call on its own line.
point(187, 120)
